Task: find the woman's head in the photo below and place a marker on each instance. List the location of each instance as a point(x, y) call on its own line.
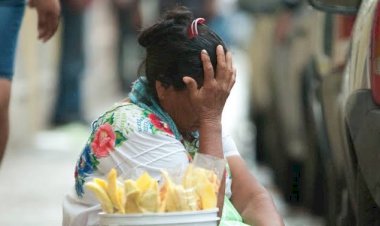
point(172, 54)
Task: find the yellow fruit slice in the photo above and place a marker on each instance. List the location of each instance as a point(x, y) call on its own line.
point(214, 180)
point(130, 186)
point(192, 200)
point(206, 185)
point(101, 195)
point(150, 198)
point(182, 198)
point(132, 197)
point(144, 182)
point(112, 190)
point(188, 179)
point(176, 197)
point(207, 194)
point(163, 197)
point(169, 197)
point(102, 183)
point(121, 196)
point(149, 201)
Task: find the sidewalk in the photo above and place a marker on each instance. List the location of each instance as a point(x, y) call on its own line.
point(33, 180)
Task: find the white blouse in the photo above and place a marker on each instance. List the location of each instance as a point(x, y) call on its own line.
point(131, 140)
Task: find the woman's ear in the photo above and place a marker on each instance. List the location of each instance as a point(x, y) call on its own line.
point(161, 90)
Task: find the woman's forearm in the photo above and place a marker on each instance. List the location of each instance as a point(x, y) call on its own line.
point(210, 138)
point(260, 211)
point(250, 198)
point(210, 143)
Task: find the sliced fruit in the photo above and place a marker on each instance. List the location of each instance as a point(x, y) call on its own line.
point(132, 197)
point(144, 182)
point(101, 195)
point(102, 183)
point(207, 193)
point(112, 190)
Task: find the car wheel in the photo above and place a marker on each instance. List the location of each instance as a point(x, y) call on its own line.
point(368, 211)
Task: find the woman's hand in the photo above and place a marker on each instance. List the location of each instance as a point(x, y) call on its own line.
point(209, 100)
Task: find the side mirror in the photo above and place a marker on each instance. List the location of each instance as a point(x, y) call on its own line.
point(337, 6)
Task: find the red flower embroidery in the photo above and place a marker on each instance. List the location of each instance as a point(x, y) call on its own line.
point(159, 124)
point(104, 141)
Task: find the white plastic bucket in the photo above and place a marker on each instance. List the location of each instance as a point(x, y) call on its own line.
point(188, 218)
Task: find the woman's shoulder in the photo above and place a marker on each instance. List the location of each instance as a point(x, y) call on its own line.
point(131, 118)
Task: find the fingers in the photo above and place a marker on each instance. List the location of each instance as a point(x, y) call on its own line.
point(225, 73)
point(48, 17)
point(53, 22)
point(233, 79)
point(191, 84)
point(220, 57)
point(230, 71)
point(42, 30)
point(47, 25)
point(207, 68)
point(229, 61)
point(221, 63)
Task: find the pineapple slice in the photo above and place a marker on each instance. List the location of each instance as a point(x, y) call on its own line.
point(102, 183)
point(101, 195)
point(133, 194)
point(113, 192)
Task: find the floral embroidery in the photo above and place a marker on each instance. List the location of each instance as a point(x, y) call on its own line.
point(157, 123)
point(86, 165)
point(120, 138)
point(104, 141)
point(112, 130)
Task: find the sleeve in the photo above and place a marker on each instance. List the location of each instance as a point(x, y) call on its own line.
point(140, 152)
point(229, 146)
point(229, 149)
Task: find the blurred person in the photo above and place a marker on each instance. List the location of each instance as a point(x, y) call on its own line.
point(196, 6)
point(217, 20)
point(266, 15)
point(68, 107)
point(207, 9)
point(173, 111)
point(11, 14)
point(128, 16)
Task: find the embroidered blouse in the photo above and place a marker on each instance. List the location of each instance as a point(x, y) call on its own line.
point(131, 140)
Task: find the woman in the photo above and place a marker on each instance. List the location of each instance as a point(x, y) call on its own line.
point(172, 112)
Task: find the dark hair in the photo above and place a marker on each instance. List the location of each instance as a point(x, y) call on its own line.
point(171, 54)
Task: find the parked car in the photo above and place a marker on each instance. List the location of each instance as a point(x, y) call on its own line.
point(322, 78)
point(308, 45)
point(305, 71)
point(353, 126)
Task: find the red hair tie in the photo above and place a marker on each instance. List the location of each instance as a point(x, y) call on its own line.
point(192, 31)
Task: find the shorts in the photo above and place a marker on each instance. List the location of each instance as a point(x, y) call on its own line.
point(10, 21)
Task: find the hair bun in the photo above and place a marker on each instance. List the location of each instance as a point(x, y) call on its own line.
point(180, 15)
point(173, 22)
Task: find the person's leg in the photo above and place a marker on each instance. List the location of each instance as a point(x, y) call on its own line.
point(10, 21)
point(68, 103)
point(129, 54)
point(5, 90)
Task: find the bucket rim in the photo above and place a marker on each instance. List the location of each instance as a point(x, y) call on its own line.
point(116, 215)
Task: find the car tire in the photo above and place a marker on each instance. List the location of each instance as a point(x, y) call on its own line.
point(368, 211)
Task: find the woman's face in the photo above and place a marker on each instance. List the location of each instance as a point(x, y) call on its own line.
point(177, 104)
